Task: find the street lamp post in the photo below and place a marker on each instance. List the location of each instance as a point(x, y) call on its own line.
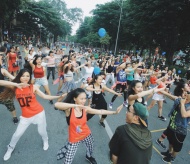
point(121, 7)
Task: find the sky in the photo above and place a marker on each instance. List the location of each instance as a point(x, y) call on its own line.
point(86, 6)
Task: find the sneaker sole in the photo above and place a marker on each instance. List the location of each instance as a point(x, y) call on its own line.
point(167, 162)
point(101, 125)
point(9, 157)
point(88, 161)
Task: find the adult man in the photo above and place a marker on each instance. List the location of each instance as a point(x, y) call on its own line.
point(132, 142)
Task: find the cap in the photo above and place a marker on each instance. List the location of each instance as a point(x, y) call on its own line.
point(142, 112)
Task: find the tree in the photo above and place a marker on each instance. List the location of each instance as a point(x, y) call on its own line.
point(159, 22)
point(105, 40)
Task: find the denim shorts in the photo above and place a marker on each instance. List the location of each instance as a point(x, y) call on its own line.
point(41, 81)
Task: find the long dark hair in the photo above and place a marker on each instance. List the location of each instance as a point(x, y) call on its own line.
point(178, 91)
point(66, 69)
point(94, 79)
point(131, 86)
point(36, 57)
point(9, 93)
point(73, 94)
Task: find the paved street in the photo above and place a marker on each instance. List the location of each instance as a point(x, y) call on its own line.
point(29, 148)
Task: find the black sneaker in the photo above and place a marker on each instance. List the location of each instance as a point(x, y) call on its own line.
point(165, 154)
point(51, 101)
point(161, 144)
point(102, 124)
point(15, 120)
point(162, 118)
point(91, 160)
point(55, 108)
point(168, 159)
point(165, 101)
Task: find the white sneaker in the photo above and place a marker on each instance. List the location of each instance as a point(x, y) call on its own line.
point(46, 145)
point(8, 153)
point(145, 103)
point(110, 105)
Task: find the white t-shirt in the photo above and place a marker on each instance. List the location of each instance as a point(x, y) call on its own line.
point(88, 72)
point(30, 57)
point(137, 77)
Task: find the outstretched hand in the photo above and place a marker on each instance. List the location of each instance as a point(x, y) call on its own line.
point(156, 89)
point(119, 109)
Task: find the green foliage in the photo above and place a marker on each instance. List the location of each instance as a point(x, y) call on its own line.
point(105, 40)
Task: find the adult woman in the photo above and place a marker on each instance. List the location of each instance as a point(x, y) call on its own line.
point(7, 102)
point(12, 63)
point(149, 71)
point(78, 129)
point(136, 93)
point(39, 73)
point(28, 58)
point(51, 65)
point(121, 83)
point(110, 71)
point(69, 83)
point(179, 117)
point(19, 56)
point(88, 70)
point(32, 110)
point(98, 100)
point(60, 72)
point(159, 97)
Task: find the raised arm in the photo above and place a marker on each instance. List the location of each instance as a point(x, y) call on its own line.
point(102, 111)
point(172, 97)
point(7, 74)
point(110, 90)
point(75, 69)
point(184, 113)
point(47, 97)
point(90, 88)
point(12, 85)
point(66, 106)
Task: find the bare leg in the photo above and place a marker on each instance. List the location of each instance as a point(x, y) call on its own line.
point(160, 104)
point(153, 102)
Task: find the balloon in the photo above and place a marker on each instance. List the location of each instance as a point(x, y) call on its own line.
point(163, 53)
point(179, 71)
point(101, 32)
point(96, 70)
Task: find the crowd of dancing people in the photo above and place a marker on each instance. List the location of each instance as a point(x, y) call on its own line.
point(83, 79)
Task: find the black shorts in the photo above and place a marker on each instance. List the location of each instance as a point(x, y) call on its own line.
point(175, 139)
point(120, 88)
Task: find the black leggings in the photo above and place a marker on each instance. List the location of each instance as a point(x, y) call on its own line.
point(52, 70)
point(119, 89)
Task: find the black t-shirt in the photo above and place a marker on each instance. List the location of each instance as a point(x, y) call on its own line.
point(123, 147)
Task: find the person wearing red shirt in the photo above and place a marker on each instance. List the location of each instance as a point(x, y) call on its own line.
point(79, 131)
point(32, 110)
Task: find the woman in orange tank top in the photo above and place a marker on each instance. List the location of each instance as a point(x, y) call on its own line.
point(78, 129)
point(32, 110)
